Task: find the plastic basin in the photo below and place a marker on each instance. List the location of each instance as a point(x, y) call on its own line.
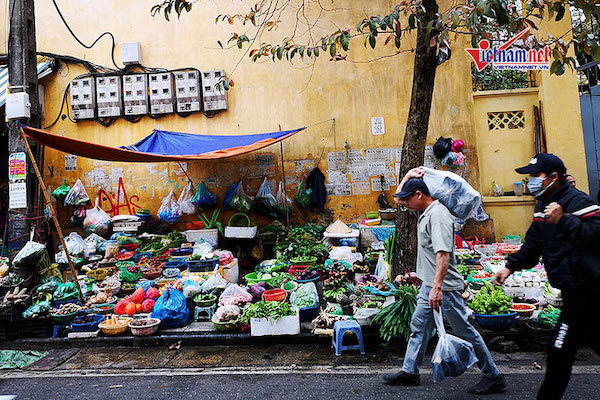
point(308, 313)
point(252, 279)
point(144, 327)
point(88, 323)
point(496, 322)
point(274, 295)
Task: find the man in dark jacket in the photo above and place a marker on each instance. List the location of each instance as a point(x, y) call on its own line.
point(566, 232)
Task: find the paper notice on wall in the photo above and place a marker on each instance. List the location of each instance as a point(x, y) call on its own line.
point(359, 174)
point(336, 160)
point(98, 178)
point(17, 166)
point(70, 162)
point(379, 155)
point(337, 177)
point(376, 168)
point(329, 188)
point(264, 159)
point(17, 195)
point(116, 174)
point(377, 126)
point(343, 189)
point(376, 184)
point(398, 154)
point(304, 165)
point(361, 188)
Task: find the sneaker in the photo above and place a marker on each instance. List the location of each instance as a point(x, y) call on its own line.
point(402, 379)
point(486, 385)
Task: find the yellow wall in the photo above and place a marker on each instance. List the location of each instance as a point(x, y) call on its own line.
point(266, 96)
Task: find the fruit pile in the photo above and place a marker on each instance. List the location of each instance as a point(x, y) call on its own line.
point(139, 302)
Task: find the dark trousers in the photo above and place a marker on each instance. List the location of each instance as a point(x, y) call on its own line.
point(577, 326)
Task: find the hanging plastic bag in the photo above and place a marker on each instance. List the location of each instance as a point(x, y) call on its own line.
point(169, 210)
point(284, 203)
point(234, 295)
point(185, 200)
point(29, 254)
point(77, 196)
point(203, 198)
point(452, 355)
point(75, 245)
point(229, 195)
point(96, 220)
point(305, 296)
point(303, 194)
point(265, 201)
point(442, 147)
point(61, 192)
point(214, 283)
point(171, 308)
point(452, 191)
point(240, 200)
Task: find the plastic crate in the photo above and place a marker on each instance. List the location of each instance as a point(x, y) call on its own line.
point(202, 265)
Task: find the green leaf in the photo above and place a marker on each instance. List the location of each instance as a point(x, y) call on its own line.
point(293, 53)
point(309, 51)
point(429, 27)
point(280, 52)
point(372, 41)
point(301, 51)
point(316, 52)
point(412, 21)
point(397, 42)
point(333, 49)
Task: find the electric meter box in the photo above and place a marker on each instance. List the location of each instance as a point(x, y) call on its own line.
point(214, 95)
point(83, 98)
point(131, 53)
point(162, 100)
point(18, 106)
point(187, 91)
point(108, 96)
point(135, 94)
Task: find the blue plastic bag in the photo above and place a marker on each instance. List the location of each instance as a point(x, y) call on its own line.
point(203, 198)
point(229, 195)
point(171, 308)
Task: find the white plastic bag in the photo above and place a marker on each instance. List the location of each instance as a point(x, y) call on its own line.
point(169, 210)
point(265, 201)
point(452, 355)
point(305, 296)
point(284, 203)
point(77, 196)
point(202, 248)
point(215, 282)
point(76, 245)
point(234, 295)
point(185, 201)
point(94, 240)
point(383, 270)
point(452, 191)
point(96, 220)
point(30, 254)
point(191, 288)
point(228, 313)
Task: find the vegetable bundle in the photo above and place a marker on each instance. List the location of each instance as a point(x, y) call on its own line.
point(394, 320)
point(491, 300)
point(267, 309)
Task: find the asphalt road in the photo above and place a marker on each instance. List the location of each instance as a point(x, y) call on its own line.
point(163, 385)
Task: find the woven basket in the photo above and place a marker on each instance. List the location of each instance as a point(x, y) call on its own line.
point(114, 330)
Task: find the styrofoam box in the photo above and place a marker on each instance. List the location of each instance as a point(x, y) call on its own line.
point(240, 232)
point(210, 236)
point(268, 327)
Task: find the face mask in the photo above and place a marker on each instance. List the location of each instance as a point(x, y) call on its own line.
point(535, 186)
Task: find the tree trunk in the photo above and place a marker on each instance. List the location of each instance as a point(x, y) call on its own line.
point(413, 147)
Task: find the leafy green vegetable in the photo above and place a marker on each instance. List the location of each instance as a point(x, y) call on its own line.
point(394, 320)
point(267, 309)
point(491, 300)
point(549, 316)
point(304, 241)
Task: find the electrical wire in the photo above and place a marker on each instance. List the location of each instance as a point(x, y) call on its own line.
point(112, 53)
point(61, 109)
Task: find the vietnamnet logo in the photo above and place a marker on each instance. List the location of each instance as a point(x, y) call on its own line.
point(504, 57)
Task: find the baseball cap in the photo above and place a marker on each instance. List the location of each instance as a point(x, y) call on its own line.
point(543, 162)
point(411, 186)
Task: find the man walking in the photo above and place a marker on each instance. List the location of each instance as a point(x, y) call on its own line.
point(442, 288)
point(566, 232)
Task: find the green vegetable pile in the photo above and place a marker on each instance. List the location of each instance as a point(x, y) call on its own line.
point(394, 320)
point(280, 278)
point(267, 309)
point(158, 246)
point(463, 270)
point(491, 300)
point(549, 316)
point(304, 241)
point(388, 244)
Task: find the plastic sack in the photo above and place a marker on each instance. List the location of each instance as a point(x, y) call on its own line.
point(61, 192)
point(284, 203)
point(303, 194)
point(185, 201)
point(77, 196)
point(203, 198)
point(265, 201)
point(305, 296)
point(96, 220)
point(66, 291)
point(240, 200)
point(202, 248)
point(75, 245)
point(383, 270)
point(214, 283)
point(442, 147)
point(229, 195)
point(191, 288)
point(171, 308)
point(453, 192)
point(228, 313)
point(37, 309)
point(29, 254)
point(169, 210)
point(94, 240)
point(48, 287)
point(234, 295)
point(452, 355)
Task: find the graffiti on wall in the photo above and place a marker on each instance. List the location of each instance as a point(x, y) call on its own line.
point(119, 203)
